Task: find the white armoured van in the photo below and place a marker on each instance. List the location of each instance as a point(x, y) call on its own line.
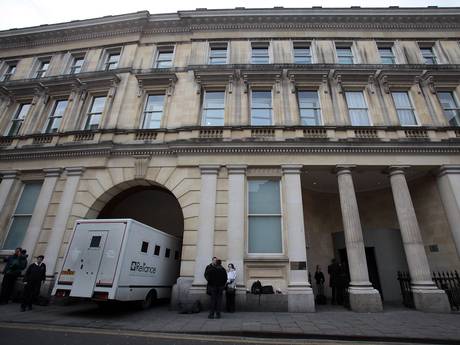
point(119, 259)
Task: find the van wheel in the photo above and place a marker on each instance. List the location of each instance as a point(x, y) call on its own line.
point(148, 301)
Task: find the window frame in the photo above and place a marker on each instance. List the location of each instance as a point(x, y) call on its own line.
point(218, 45)
point(13, 214)
point(164, 49)
point(320, 122)
point(15, 118)
point(367, 107)
point(281, 216)
point(409, 97)
point(88, 112)
point(271, 103)
point(203, 109)
point(7, 74)
point(75, 57)
point(342, 45)
point(260, 45)
point(457, 104)
point(106, 61)
point(144, 111)
point(300, 45)
point(389, 46)
point(39, 71)
point(53, 118)
point(433, 55)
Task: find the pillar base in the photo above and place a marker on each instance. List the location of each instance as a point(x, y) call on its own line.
point(365, 299)
point(430, 299)
point(301, 300)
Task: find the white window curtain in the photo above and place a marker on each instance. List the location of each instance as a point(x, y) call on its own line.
point(404, 109)
point(213, 108)
point(264, 224)
point(153, 112)
point(357, 108)
point(450, 107)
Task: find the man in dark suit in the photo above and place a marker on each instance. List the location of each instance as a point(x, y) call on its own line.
point(13, 268)
point(35, 274)
point(334, 270)
point(216, 276)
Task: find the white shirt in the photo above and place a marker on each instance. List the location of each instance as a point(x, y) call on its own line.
point(231, 278)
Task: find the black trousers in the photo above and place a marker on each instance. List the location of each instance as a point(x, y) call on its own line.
point(31, 293)
point(230, 301)
point(216, 299)
point(7, 287)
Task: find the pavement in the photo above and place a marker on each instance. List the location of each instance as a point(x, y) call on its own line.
point(394, 324)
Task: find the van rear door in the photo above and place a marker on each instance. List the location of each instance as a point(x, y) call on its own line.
point(92, 243)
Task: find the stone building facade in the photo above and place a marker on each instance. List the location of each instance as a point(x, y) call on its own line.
point(275, 139)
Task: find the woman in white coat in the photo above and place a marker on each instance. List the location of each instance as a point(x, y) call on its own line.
point(231, 288)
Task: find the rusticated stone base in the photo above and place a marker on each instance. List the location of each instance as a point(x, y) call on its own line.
point(365, 300)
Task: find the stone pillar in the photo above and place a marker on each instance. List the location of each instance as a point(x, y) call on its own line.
point(205, 238)
point(449, 189)
point(363, 296)
point(62, 216)
point(427, 296)
point(8, 179)
point(300, 294)
point(44, 198)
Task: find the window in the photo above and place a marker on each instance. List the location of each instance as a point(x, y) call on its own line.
point(260, 53)
point(153, 112)
point(450, 107)
point(344, 55)
point(54, 120)
point(144, 247)
point(404, 108)
point(9, 72)
point(213, 108)
point(22, 215)
point(264, 224)
point(386, 55)
point(310, 111)
point(18, 118)
point(218, 54)
point(42, 68)
point(261, 108)
point(95, 242)
point(157, 250)
point(112, 60)
point(95, 113)
point(164, 57)
point(77, 63)
point(428, 55)
point(167, 253)
point(357, 108)
point(302, 54)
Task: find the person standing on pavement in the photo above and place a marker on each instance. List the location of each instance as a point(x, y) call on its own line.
point(13, 268)
point(333, 270)
point(230, 290)
point(319, 277)
point(35, 274)
point(216, 277)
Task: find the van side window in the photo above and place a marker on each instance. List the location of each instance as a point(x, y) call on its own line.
point(145, 247)
point(157, 250)
point(176, 255)
point(167, 253)
point(95, 242)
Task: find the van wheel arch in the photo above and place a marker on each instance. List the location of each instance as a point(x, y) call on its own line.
point(149, 300)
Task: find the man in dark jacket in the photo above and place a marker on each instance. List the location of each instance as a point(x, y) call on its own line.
point(216, 276)
point(35, 274)
point(334, 270)
point(13, 268)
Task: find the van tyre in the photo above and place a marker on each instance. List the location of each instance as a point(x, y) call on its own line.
point(148, 301)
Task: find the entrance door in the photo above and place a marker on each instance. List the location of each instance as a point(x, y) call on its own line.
point(371, 266)
point(89, 262)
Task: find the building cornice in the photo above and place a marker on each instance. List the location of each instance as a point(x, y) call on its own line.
point(219, 148)
point(143, 23)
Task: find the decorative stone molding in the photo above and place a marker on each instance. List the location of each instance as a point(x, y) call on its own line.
point(141, 166)
point(346, 78)
point(398, 78)
point(152, 80)
point(441, 79)
point(9, 174)
point(214, 78)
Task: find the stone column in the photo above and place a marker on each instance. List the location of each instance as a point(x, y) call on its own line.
point(205, 238)
point(62, 216)
point(300, 294)
point(8, 179)
point(44, 198)
point(363, 296)
point(449, 189)
point(427, 296)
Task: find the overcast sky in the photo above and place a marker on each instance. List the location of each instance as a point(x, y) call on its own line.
point(24, 13)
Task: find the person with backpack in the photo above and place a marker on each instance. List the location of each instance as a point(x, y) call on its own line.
point(35, 274)
point(216, 277)
point(13, 268)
